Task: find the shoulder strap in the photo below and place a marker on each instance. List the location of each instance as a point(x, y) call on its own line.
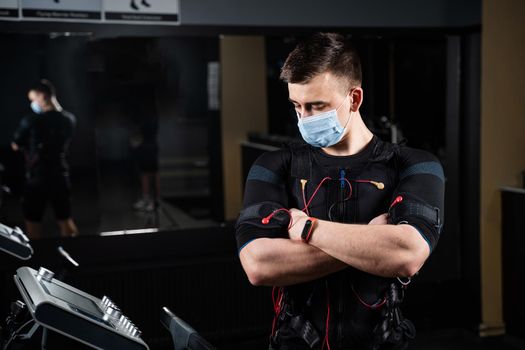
point(384, 151)
point(301, 164)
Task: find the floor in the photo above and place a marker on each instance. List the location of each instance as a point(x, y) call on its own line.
point(464, 340)
point(104, 204)
point(445, 339)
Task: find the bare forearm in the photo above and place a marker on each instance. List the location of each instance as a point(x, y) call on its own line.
point(383, 250)
point(280, 262)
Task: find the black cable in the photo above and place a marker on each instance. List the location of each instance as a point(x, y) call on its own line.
point(15, 333)
point(43, 343)
point(332, 207)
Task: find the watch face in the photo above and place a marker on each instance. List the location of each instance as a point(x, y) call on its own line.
point(306, 229)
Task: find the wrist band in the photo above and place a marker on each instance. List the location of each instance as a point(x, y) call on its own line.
point(308, 229)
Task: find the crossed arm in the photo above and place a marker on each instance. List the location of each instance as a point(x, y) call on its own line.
point(377, 248)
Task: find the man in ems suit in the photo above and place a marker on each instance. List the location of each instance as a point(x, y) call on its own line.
point(341, 224)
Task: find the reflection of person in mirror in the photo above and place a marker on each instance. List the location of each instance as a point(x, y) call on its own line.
point(146, 153)
point(44, 136)
point(134, 5)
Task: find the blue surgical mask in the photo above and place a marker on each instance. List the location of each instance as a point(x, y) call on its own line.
point(322, 130)
point(36, 107)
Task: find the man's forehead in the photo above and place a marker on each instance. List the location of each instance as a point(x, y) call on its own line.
point(323, 87)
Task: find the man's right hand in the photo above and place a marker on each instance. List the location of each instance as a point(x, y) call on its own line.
point(379, 220)
point(14, 146)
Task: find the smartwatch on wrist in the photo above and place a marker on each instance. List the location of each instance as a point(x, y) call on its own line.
point(308, 229)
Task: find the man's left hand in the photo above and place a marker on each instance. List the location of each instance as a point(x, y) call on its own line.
point(298, 218)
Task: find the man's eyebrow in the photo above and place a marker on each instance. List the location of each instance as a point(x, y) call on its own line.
point(313, 103)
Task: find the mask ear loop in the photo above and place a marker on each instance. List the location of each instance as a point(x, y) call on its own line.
point(351, 113)
point(299, 116)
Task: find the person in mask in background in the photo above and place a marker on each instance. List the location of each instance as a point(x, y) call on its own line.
point(44, 136)
point(145, 148)
point(340, 224)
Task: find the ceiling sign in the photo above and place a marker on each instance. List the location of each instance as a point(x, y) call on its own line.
point(62, 9)
point(9, 9)
point(162, 12)
point(139, 11)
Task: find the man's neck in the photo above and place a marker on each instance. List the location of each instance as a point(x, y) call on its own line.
point(356, 138)
point(50, 107)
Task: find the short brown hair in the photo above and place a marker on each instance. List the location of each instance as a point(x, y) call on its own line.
point(320, 53)
point(45, 87)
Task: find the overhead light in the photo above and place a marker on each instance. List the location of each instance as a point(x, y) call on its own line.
point(129, 232)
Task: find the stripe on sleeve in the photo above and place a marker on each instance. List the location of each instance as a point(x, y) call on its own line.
point(260, 173)
point(430, 168)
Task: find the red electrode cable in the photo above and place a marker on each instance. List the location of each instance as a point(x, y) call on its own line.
point(315, 192)
point(277, 300)
point(397, 200)
point(266, 219)
point(277, 304)
point(327, 325)
point(350, 189)
point(306, 204)
point(369, 306)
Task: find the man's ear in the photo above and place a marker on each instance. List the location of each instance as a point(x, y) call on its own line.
point(356, 99)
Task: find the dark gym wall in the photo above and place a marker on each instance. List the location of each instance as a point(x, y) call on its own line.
point(502, 145)
point(164, 79)
point(336, 13)
point(168, 75)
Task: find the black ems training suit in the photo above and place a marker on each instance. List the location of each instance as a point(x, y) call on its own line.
point(45, 139)
point(364, 309)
